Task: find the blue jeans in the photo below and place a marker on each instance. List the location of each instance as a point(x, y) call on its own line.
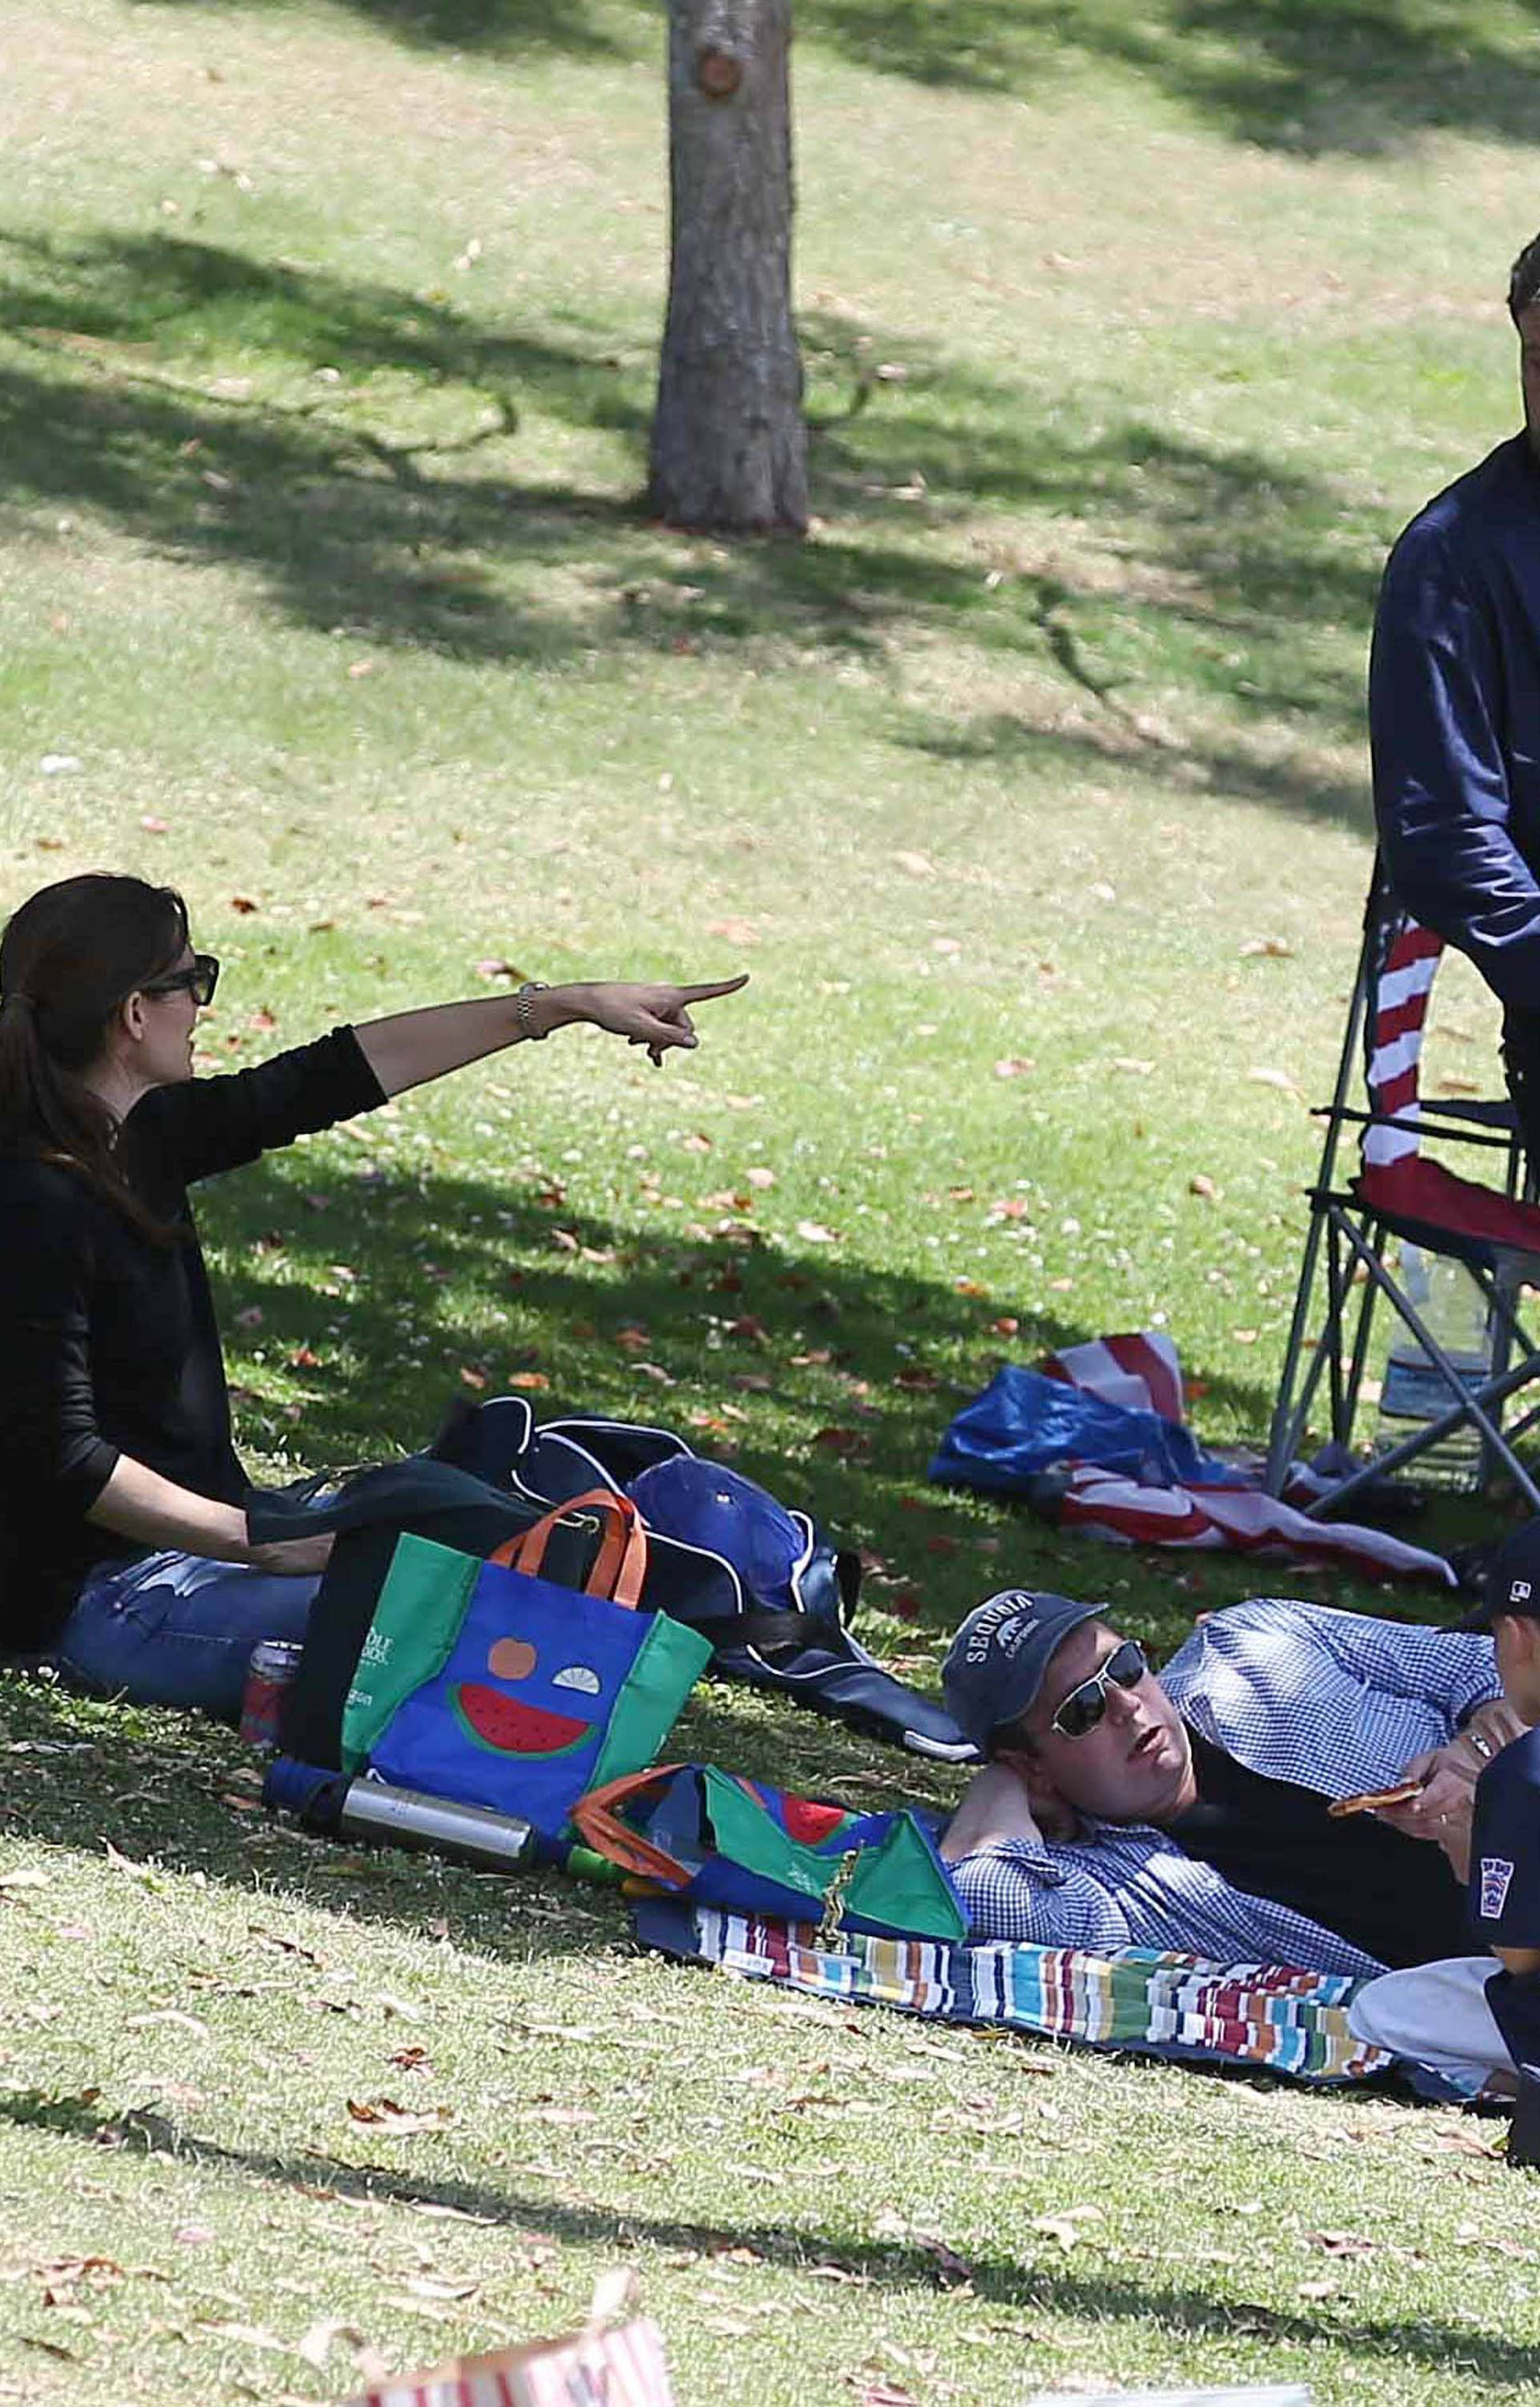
point(179, 1629)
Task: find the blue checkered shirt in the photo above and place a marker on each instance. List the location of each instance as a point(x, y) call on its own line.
point(1335, 1702)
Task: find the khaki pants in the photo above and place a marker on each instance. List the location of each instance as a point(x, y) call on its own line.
point(1437, 2015)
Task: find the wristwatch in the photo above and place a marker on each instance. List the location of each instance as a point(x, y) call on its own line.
point(521, 1005)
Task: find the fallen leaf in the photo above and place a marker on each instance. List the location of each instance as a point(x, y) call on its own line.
point(490, 969)
point(1201, 1183)
point(441, 2285)
point(316, 2344)
point(529, 1381)
point(25, 1876)
point(814, 1233)
point(395, 2122)
point(121, 1863)
point(733, 932)
point(1007, 1325)
point(915, 864)
point(845, 1443)
point(152, 826)
point(248, 2335)
point(244, 904)
point(1014, 1066)
point(1266, 947)
point(472, 1377)
point(172, 2014)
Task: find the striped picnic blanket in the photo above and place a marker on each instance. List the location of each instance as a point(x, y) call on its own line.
point(1141, 2000)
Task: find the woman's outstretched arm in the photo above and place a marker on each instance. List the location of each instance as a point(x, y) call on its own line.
point(413, 1047)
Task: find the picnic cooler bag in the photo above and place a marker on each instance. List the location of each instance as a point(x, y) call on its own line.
point(489, 1683)
point(738, 1843)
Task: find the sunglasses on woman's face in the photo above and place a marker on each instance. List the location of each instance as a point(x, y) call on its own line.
point(199, 980)
point(1085, 1706)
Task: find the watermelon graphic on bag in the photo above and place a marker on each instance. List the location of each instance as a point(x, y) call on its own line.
point(489, 1683)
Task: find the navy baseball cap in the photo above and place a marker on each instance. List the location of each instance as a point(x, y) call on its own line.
point(705, 1504)
point(995, 1665)
point(1512, 1583)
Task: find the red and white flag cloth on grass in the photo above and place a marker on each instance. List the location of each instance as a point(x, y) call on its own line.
point(1143, 1374)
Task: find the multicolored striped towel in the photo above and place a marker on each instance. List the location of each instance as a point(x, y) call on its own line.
point(1141, 2000)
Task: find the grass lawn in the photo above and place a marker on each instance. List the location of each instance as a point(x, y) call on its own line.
point(1031, 790)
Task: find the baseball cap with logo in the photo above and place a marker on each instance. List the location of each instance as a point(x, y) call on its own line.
point(1512, 1582)
point(995, 1665)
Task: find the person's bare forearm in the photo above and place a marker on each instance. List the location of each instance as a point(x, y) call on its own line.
point(416, 1046)
point(995, 1806)
point(137, 1504)
point(411, 1046)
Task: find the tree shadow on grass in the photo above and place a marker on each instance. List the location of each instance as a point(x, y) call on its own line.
point(791, 1369)
point(895, 2265)
point(1311, 76)
point(363, 469)
point(499, 29)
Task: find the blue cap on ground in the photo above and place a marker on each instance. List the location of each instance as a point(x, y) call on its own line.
point(995, 1665)
point(704, 1505)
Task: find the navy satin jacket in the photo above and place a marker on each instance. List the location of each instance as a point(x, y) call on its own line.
point(1454, 719)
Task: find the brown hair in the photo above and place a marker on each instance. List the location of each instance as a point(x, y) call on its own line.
point(69, 957)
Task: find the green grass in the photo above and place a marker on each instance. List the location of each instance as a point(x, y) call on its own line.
point(326, 344)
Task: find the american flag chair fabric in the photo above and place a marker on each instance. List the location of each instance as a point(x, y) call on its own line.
point(1402, 1192)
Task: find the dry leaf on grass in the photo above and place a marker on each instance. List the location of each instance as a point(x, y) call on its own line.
point(395, 2122)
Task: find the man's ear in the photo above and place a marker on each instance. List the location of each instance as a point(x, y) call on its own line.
point(1522, 1635)
point(1053, 1816)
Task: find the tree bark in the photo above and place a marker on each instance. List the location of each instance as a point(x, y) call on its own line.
point(729, 445)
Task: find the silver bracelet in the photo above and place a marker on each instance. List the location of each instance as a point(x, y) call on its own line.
point(521, 1005)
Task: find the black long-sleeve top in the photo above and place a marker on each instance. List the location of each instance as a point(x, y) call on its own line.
point(108, 1344)
point(1454, 718)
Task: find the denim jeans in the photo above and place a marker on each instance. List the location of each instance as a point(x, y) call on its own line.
point(178, 1629)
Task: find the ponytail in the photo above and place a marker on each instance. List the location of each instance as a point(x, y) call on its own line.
point(68, 958)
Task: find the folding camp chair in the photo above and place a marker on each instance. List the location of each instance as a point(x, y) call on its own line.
point(1402, 1194)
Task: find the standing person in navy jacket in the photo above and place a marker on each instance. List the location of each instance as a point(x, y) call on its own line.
point(123, 1543)
point(1454, 716)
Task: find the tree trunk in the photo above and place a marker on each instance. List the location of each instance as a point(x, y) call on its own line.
point(729, 447)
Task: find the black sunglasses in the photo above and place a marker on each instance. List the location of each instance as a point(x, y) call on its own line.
point(199, 980)
point(1085, 1707)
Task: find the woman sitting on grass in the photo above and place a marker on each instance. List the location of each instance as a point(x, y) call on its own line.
point(124, 1545)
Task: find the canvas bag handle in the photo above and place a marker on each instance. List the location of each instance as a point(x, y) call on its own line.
point(620, 1565)
point(600, 1826)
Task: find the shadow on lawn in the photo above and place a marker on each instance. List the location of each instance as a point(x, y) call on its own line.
point(1309, 76)
point(1304, 75)
point(890, 2265)
point(500, 29)
point(363, 470)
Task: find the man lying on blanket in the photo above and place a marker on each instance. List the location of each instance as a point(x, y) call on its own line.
point(1193, 1812)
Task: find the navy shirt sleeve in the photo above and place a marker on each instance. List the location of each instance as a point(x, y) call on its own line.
point(1436, 689)
point(206, 1125)
point(1505, 1879)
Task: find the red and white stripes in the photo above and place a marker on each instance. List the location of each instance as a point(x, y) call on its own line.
point(1409, 964)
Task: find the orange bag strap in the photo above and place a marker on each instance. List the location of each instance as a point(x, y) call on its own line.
point(620, 1565)
point(600, 1828)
